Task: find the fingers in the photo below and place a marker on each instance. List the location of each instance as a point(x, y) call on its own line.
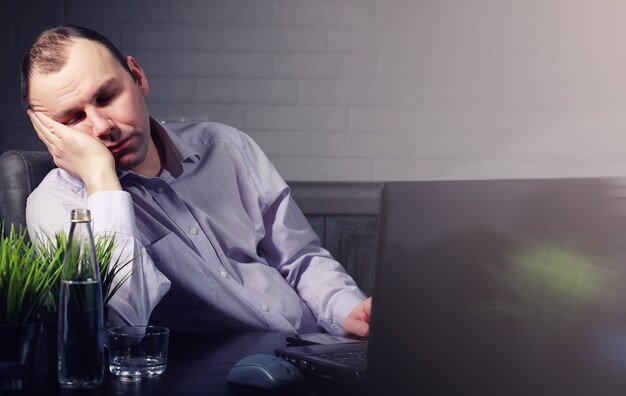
point(356, 326)
point(42, 126)
point(41, 130)
point(358, 320)
point(363, 329)
point(50, 125)
point(367, 308)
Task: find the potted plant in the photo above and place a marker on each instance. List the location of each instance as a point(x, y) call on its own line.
point(25, 281)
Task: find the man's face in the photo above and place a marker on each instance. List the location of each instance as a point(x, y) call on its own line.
point(94, 94)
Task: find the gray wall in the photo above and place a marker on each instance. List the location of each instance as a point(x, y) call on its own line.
point(369, 89)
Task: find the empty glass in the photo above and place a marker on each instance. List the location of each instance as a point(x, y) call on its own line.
point(137, 351)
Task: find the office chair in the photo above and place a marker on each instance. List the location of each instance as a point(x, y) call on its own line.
point(20, 173)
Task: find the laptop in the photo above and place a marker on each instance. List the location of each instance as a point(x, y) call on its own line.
point(493, 287)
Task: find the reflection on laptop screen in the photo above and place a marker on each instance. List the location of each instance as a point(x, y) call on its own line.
point(500, 286)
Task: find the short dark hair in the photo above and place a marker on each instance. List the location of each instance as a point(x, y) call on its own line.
point(48, 53)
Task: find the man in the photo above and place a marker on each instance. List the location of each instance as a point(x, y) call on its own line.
point(219, 242)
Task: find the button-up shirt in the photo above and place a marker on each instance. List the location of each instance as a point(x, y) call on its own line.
point(218, 241)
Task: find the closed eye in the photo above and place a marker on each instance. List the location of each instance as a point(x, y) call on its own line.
point(76, 119)
point(104, 99)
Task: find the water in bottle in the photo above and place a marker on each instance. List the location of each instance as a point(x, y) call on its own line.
point(81, 324)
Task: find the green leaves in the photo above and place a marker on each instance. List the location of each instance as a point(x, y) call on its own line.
point(25, 278)
point(53, 251)
point(30, 274)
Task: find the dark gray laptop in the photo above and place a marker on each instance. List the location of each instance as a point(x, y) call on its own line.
point(496, 287)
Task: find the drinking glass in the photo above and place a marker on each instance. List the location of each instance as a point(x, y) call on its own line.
point(137, 351)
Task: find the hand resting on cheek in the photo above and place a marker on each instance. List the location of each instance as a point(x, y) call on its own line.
point(78, 153)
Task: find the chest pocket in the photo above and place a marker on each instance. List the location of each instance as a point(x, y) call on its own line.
point(192, 277)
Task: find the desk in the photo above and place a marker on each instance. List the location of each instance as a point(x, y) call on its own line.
point(197, 365)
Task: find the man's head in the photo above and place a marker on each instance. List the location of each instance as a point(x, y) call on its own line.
point(78, 78)
point(48, 54)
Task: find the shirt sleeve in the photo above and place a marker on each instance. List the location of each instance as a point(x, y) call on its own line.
point(292, 247)
point(48, 212)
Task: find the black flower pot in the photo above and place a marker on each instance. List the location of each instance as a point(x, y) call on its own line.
point(18, 344)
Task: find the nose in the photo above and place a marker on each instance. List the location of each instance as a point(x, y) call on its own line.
point(101, 125)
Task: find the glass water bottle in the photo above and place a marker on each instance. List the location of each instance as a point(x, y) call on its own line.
point(81, 324)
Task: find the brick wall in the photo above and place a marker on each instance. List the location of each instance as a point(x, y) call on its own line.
point(369, 89)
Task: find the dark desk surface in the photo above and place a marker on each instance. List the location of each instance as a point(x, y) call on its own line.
point(197, 365)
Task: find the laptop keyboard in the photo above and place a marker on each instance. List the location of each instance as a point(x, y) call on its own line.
point(355, 359)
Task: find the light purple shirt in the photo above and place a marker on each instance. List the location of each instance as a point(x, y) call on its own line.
point(226, 247)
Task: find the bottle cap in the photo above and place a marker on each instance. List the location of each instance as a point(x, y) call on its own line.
point(80, 215)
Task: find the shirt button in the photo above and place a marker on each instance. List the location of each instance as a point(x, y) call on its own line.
point(160, 189)
point(265, 308)
point(193, 230)
point(223, 274)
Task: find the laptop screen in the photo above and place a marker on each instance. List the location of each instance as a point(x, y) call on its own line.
point(500, 286)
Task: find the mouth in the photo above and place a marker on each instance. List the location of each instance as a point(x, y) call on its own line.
point(115, 149)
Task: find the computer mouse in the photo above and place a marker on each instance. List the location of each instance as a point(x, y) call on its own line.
point(264, 371)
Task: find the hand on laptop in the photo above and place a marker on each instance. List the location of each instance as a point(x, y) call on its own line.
point(358, 321)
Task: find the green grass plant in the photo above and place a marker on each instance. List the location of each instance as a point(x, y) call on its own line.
point(53, 251)
point(25, 278)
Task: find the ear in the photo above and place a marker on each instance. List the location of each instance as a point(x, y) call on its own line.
point(140, 76)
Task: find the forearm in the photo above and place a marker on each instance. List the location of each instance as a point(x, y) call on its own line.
point(136, 298)
point(326, 288)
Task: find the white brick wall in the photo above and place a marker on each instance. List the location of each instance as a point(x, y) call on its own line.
point(241, 91)
point(155, 63)
point(223, 37)
point(172, 89)
point(31, 11)
point(117, 10)
point(350, 92)
point(325, 65)
point(288, 144)
point(357, 39)
point(219, 11)
point(296, 118)
point(223, 64)
point(348, 145)
point(369, 89)
point(325, 12)
point(332, 169)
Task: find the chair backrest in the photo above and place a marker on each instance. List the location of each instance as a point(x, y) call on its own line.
point(20, 173)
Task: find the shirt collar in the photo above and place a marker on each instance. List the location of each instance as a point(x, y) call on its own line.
point(174, 149)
